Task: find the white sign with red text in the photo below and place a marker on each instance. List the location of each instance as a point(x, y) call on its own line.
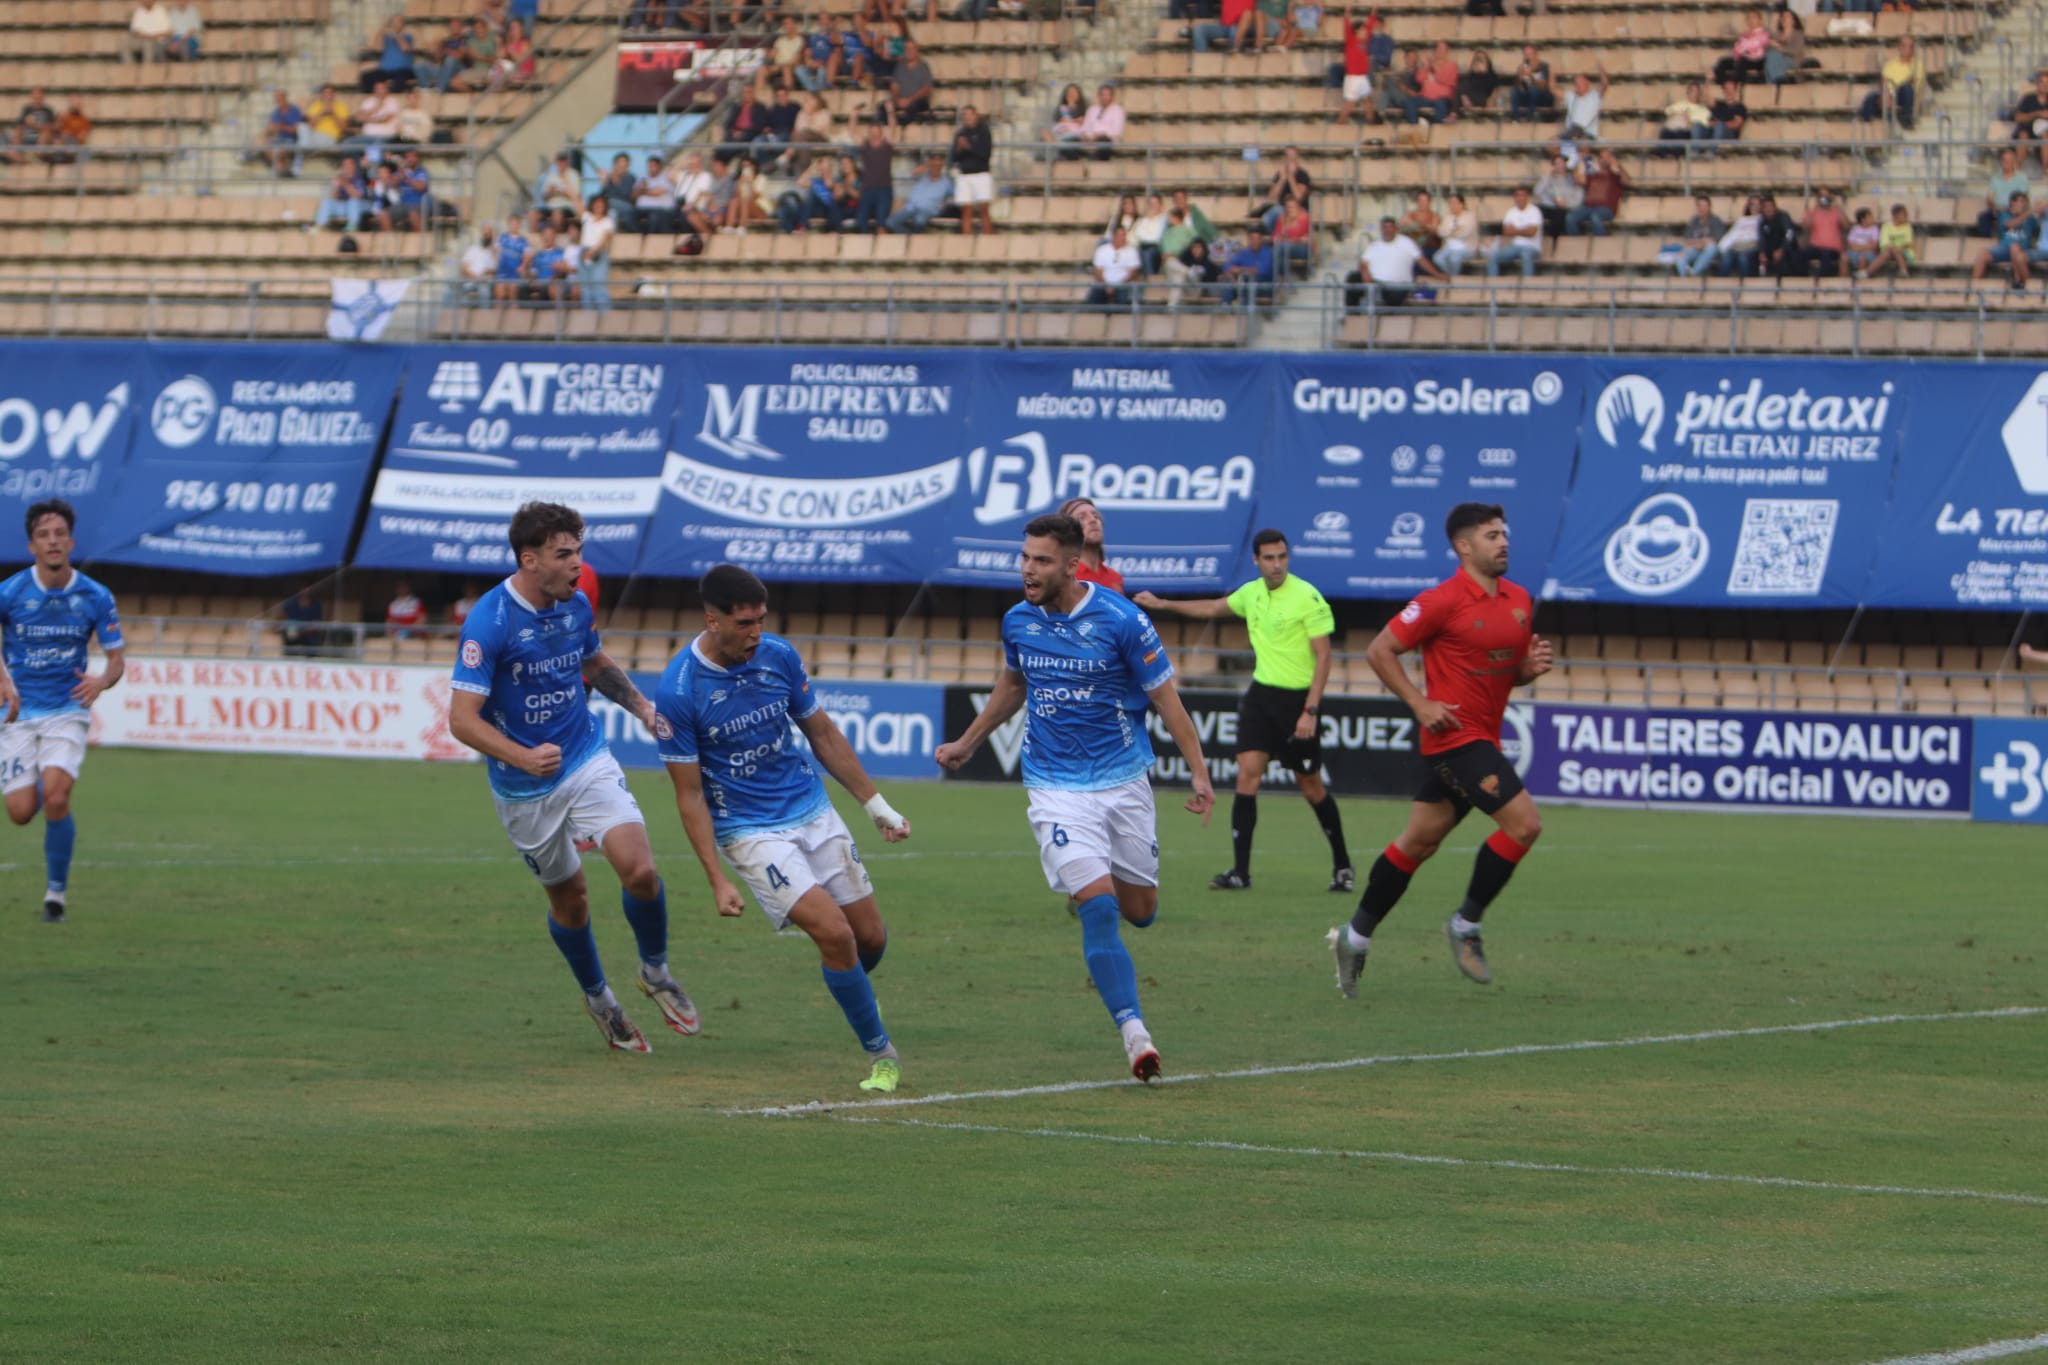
point(281, 706)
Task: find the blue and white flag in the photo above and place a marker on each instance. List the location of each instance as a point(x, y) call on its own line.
point(363, 308)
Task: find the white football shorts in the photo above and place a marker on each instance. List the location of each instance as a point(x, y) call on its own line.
point(33, 743)
point(589, 804)
point(1085, 836)
point(779, 867)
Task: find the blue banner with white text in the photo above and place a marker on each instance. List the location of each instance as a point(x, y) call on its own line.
point(67, 412)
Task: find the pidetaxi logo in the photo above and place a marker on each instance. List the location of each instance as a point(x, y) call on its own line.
point(183, 411)
point(1659, 549)
point(1631, 409)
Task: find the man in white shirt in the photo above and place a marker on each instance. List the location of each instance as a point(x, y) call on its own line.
point(654, 199)
point(377, 115)
point(1116, 264)
point(186, 29)
point(594, 264)
point(561, 189)
point(479, 266)
point(149, 30)
point(1582, 108)
point(1387, 265)
point(1103, 124)
point(1521, 237)
point(693, 195)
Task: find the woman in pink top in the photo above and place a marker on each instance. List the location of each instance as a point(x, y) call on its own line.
point(1293, 238)
point(1745, 61)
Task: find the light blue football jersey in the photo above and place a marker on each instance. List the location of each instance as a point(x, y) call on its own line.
point(527, 664)
point(1085, 676)
point(734, 723)
point(46, 632)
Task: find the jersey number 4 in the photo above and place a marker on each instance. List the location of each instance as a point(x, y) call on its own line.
point(775, 877)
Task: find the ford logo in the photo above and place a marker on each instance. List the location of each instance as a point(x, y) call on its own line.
point(1331, 521)
point(1343, 454)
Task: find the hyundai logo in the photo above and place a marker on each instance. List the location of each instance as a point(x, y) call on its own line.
point(1331, 521)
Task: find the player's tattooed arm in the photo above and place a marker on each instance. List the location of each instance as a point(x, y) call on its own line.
point(604, 677)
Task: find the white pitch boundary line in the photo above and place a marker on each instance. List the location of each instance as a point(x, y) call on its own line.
point(1990, 1350)
point(1353, 1063)
point(1496, 1164)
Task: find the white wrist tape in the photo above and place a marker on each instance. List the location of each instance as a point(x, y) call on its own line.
point(882, 813)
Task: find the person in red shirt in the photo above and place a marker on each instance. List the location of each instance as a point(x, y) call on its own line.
point(1475, 631)
point(1357, 88)
point(406, 614)
point(586, 582)
point(1094, 566)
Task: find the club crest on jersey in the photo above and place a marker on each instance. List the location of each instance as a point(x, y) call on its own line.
point(1412, 612)
point(1086, 628)
point(662, 729)
point(1521, 617)
point(472, 654)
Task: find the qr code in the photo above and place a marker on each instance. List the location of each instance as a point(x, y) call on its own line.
point(1784, 547)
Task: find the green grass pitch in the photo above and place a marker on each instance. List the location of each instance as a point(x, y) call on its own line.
point(303, 1079)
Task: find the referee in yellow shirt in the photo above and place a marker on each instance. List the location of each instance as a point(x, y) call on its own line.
point(1281, 715)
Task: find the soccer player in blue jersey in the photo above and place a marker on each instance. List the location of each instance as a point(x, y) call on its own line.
point(48, 613)
point(529, 648)
point(1081, 660)
point(743, 788)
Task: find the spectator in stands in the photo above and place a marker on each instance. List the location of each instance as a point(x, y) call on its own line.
point(515, 64)
point(327, 120)
point(1557, 193)
point(1476, 86)
point(1901, 87)
point(1786, 57)
point(1460, 233)
point(391, 48)
point(2030, 118)
point(406, 614)
point(853, 51)
point(376, 116)
point(725, 187)
point(767, 120)
point(786, 53)
point(1532, 94)
point(1290, 181)
point(386, 197)
point(1124, 216)
point(1067, 117)
point(594, 255)
point(561, 189)
point(302, 617)
point(1103, 126)
point(910, 91)
point(654, 199)
point(347, 198)
point(415, 192)
point(1294, 241)
point(926, 199)
point(693, 197)
point(1197, 220)
point(1194, 274)
point(149, 32)
point(1826, 236)
point(479, 263)
point(1745, 60)
point(1729, 113)
point(1149, 232)
point(1582, 107)
point(973, 186)
point(2018, 233)
point(1699, 238)
point(1895, 246)
point(1115, 267)
point(1685, 120)
point(188, 32)
point(1436, 88)
point(813, 122)
point(1405, 85)
point(547, 269)
point(816, 195)
point(415, 124)
point(1521, 237)
point(747, 207)
point(1176, 238)
point(1355, 84)
point(877, 158)
point(1387, 266)
point(513, 246)
point(617, 186)
point(1738, 249)
point(479, 57)
point(36, 127)
point(74, 126)
point(1605, 183)
point(1420, 222)
point(1248, 272)
point(888, 41)
point(281, 134)
point(2006, 181)
point(461, 607)
point(826, 47)
point(748, 121)
point(1863, 245)
point(443, 59)
point(1777, 239)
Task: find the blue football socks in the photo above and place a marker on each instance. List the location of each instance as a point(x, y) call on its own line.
point(58, 837)
point(1109, 962)
point(579, 949)
point(650, 924)
point(856, 999)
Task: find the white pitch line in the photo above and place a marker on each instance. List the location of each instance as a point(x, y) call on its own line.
point(1990, 1350)
point(1500, 1164)
point(1353, 1063)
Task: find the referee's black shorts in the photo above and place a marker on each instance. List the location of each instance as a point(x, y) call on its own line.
point(1265, 724)
point(1475, 776)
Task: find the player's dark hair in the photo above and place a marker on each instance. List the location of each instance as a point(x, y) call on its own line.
point(1065, 530)
point(536, 523)
point(728, 586)
point(1268, 536)
point(52, 507)
point(1068, 507)
point(1466, 515)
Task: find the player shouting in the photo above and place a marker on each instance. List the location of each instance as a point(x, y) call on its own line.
point(1474, 631)
point(1075, 657)
point(721, 725)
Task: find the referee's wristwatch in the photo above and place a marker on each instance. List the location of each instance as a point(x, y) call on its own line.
point(1316, 711)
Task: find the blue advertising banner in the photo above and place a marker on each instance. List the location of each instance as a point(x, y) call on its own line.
point(480, 430)
point(1167, 446)
point(1901, 765)
point(1729, 482)
point(892, 726)
point(840, 470)
point(67, 412)
point(1969, 523)
point(248, 459)
point(1369, 454)
point(2012, 771)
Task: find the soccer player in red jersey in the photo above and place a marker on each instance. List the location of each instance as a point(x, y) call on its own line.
point(1475, 633)
point(1094, 566)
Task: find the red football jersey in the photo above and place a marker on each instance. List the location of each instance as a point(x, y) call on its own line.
point(1106, 576)
point(1472, 647)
